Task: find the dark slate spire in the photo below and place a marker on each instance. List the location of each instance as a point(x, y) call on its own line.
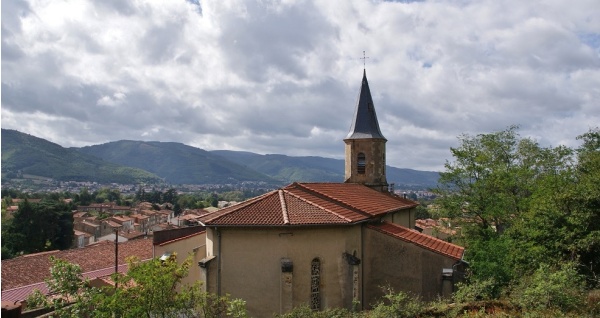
point(365, 124)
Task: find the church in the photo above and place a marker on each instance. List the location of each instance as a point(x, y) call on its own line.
point(327, 245)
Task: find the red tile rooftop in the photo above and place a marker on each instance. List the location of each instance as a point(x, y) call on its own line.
point(429, 242)
point(310, 204)
point(34, 268)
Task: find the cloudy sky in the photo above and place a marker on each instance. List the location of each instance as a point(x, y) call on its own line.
point(283, 76)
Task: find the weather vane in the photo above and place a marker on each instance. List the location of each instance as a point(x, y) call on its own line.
point(364, 58)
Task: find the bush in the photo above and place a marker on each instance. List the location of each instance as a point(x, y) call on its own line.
point(398, 305)
point(305, 312)
point(476, 290)
point(550, 288)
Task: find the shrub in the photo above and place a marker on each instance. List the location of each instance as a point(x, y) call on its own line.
point(548, 288)
point(476, 290)
point(398, 305)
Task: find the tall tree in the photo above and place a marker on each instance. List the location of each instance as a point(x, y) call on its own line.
point(563, 223)
point(38, 227)
point(491, 180)
point(493, 184)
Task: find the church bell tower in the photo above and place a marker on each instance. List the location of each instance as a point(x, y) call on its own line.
point(365, 145)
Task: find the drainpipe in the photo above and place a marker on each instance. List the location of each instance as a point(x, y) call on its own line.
point(116, 255)
point(362, 267)
point(116, 251)
point(219, 264)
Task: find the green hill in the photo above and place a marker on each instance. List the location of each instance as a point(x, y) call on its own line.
point(129, 161)
point(23, 154)
point(175, 162)
point(318, 169)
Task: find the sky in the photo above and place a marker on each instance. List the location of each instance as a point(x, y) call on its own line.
point(283, 76)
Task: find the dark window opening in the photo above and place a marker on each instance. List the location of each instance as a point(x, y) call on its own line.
point(315, 284)
point(361, 163)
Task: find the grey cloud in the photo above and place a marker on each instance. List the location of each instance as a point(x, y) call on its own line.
point(273, 39)
point(275, 77)
point(159, 43)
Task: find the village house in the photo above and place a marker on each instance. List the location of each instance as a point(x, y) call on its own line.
point(185, 242)
point(81, 239)
point(22, 275)
point(141, 222)
point(125, 222)
point(109, 208)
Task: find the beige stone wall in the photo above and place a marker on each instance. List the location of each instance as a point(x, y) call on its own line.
point(405, 218)
point(374, 150)
point(251, 265)
point(194, 246)
point(389, 261)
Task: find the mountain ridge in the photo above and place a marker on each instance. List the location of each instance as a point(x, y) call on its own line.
point(177, 163)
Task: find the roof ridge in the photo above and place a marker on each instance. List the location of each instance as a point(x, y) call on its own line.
point(236, 207)
point(341, 202)
point(318, 206)
point(284, 209)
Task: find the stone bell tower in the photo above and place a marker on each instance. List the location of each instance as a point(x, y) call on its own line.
point(365, 145)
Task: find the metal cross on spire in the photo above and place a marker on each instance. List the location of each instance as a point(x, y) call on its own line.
point(364, 58)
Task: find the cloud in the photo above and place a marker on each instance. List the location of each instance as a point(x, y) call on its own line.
point(283, 76)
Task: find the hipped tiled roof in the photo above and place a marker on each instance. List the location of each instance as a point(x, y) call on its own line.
point(310, 204)
point(423, 240)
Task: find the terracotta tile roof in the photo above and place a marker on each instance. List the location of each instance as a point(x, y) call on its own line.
point(181, 238)
point(113, 224)
point(429, 242)
point(121, 218)
point(21, 293)
point(310, 204)
point(34, 268)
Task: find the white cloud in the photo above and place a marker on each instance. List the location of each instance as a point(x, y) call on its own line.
point(283, 76)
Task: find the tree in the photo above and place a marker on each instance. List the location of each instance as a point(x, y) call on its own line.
point(149, 289)
point(38, 227)
point(73, 293)
point(563, 223)
point(491, 179)
point(108, 195)
point(85, 198)
point(521, 205)
point(154, 289)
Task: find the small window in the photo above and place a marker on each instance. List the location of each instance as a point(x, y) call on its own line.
point(315, 284)
point(361, 163)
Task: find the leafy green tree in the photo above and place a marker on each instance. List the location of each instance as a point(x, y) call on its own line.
point(422, 212)
point(108, 195)
point(85, 198)
point(520, 204)
point(38, 227)
point(563, 223)
point(149, 289)
point(490, 181)
point(73, 293)
point(170, 196)
point(154, 289)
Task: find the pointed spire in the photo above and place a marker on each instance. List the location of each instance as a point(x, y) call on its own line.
point(365, 124)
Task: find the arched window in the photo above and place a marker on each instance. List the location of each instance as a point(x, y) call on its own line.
point(361, 163)
point(315, 284)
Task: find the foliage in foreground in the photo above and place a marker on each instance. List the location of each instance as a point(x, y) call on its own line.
point(149, 289)
point(520, 205)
